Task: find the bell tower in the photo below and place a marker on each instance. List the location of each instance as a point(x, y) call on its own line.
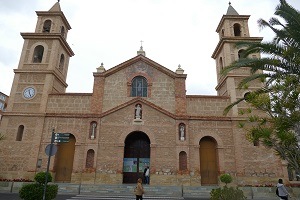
point(43, 64)
point(231, 29)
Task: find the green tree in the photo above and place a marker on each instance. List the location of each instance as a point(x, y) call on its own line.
point(279, 95)
point(275, 129)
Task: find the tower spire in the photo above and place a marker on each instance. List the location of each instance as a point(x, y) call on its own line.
point(231, 10)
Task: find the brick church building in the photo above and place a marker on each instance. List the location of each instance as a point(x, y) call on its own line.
point(138, 115)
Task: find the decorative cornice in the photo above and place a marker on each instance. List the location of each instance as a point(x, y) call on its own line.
point(233, 40)
point(61, 14)
point(53, 72)
point(50, 36)
point(230, 17)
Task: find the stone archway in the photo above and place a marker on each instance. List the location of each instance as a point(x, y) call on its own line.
point(208, 161)
point(136, 156)
point(64, 158)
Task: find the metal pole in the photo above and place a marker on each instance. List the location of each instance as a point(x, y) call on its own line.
point(48, 164)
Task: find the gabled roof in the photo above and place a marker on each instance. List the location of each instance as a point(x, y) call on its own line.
point(136, 59)
point(139, 100)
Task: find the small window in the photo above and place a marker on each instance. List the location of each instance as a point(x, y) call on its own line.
point(90, 156)
point(20, 133)
point(139, 87)
point(47, 26)
point(221, 63)
point(182, 161)
point(61, 62)
point(247, 96)
point(237, 29)
point(62, 31)
point(38, 54)
point(240, 53)
point(222, 33)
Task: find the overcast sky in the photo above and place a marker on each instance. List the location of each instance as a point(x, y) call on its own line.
point(109, 31)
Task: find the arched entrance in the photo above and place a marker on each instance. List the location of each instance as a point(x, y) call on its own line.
point(64, 158)
point(136, 156)
point(208, 161)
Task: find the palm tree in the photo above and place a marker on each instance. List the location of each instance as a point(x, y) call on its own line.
point(279, 95)
point(283, 52)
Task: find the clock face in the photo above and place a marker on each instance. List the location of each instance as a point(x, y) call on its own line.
point(29, 92)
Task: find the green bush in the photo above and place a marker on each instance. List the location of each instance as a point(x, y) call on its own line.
point(227, 193)
point(41, 177)
point(35, 190)
point(226, 178)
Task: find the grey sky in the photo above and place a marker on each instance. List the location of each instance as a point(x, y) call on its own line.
point(174, 32)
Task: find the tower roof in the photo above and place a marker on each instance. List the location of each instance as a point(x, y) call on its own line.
point(231, 10)
point(55, 7)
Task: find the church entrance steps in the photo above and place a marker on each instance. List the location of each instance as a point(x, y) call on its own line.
point(126, 190)
point(132, 197)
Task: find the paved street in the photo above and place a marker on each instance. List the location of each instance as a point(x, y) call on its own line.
point(15, 196)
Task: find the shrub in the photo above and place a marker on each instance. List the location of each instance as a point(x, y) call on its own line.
point(226, 178)
point(41, 177)
point(227, 193)
point(35, 190)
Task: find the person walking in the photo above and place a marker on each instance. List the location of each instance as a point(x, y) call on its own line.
point(282, 191)
point(139, 190)
point(144, 175)
point(147, 175)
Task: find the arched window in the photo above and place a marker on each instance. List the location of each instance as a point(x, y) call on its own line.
point(47, 26)
point(182, 161)
point(38, 54)
point(61, 62)
point(247, 96)
point(20, 133)
point(222, 33)
point(93, 130)
point(237, 29)
point(221, 63)
point(240, 53)
point(90, 158)
point(139, 87)
point(62, 31)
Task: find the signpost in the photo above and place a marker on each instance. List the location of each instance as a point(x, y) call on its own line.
point(61, 137)
point(51, 150)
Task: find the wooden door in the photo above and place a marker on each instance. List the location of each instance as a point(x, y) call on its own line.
point(64, 160)
point(208, 161)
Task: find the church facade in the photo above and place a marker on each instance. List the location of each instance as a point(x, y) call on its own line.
point(138, 115)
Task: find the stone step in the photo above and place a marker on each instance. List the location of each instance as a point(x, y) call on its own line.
point(151, 190)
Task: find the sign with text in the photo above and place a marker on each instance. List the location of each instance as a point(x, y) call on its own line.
point(61, 137)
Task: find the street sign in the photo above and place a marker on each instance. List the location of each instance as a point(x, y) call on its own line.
point(61, 137)
point(53, 149)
